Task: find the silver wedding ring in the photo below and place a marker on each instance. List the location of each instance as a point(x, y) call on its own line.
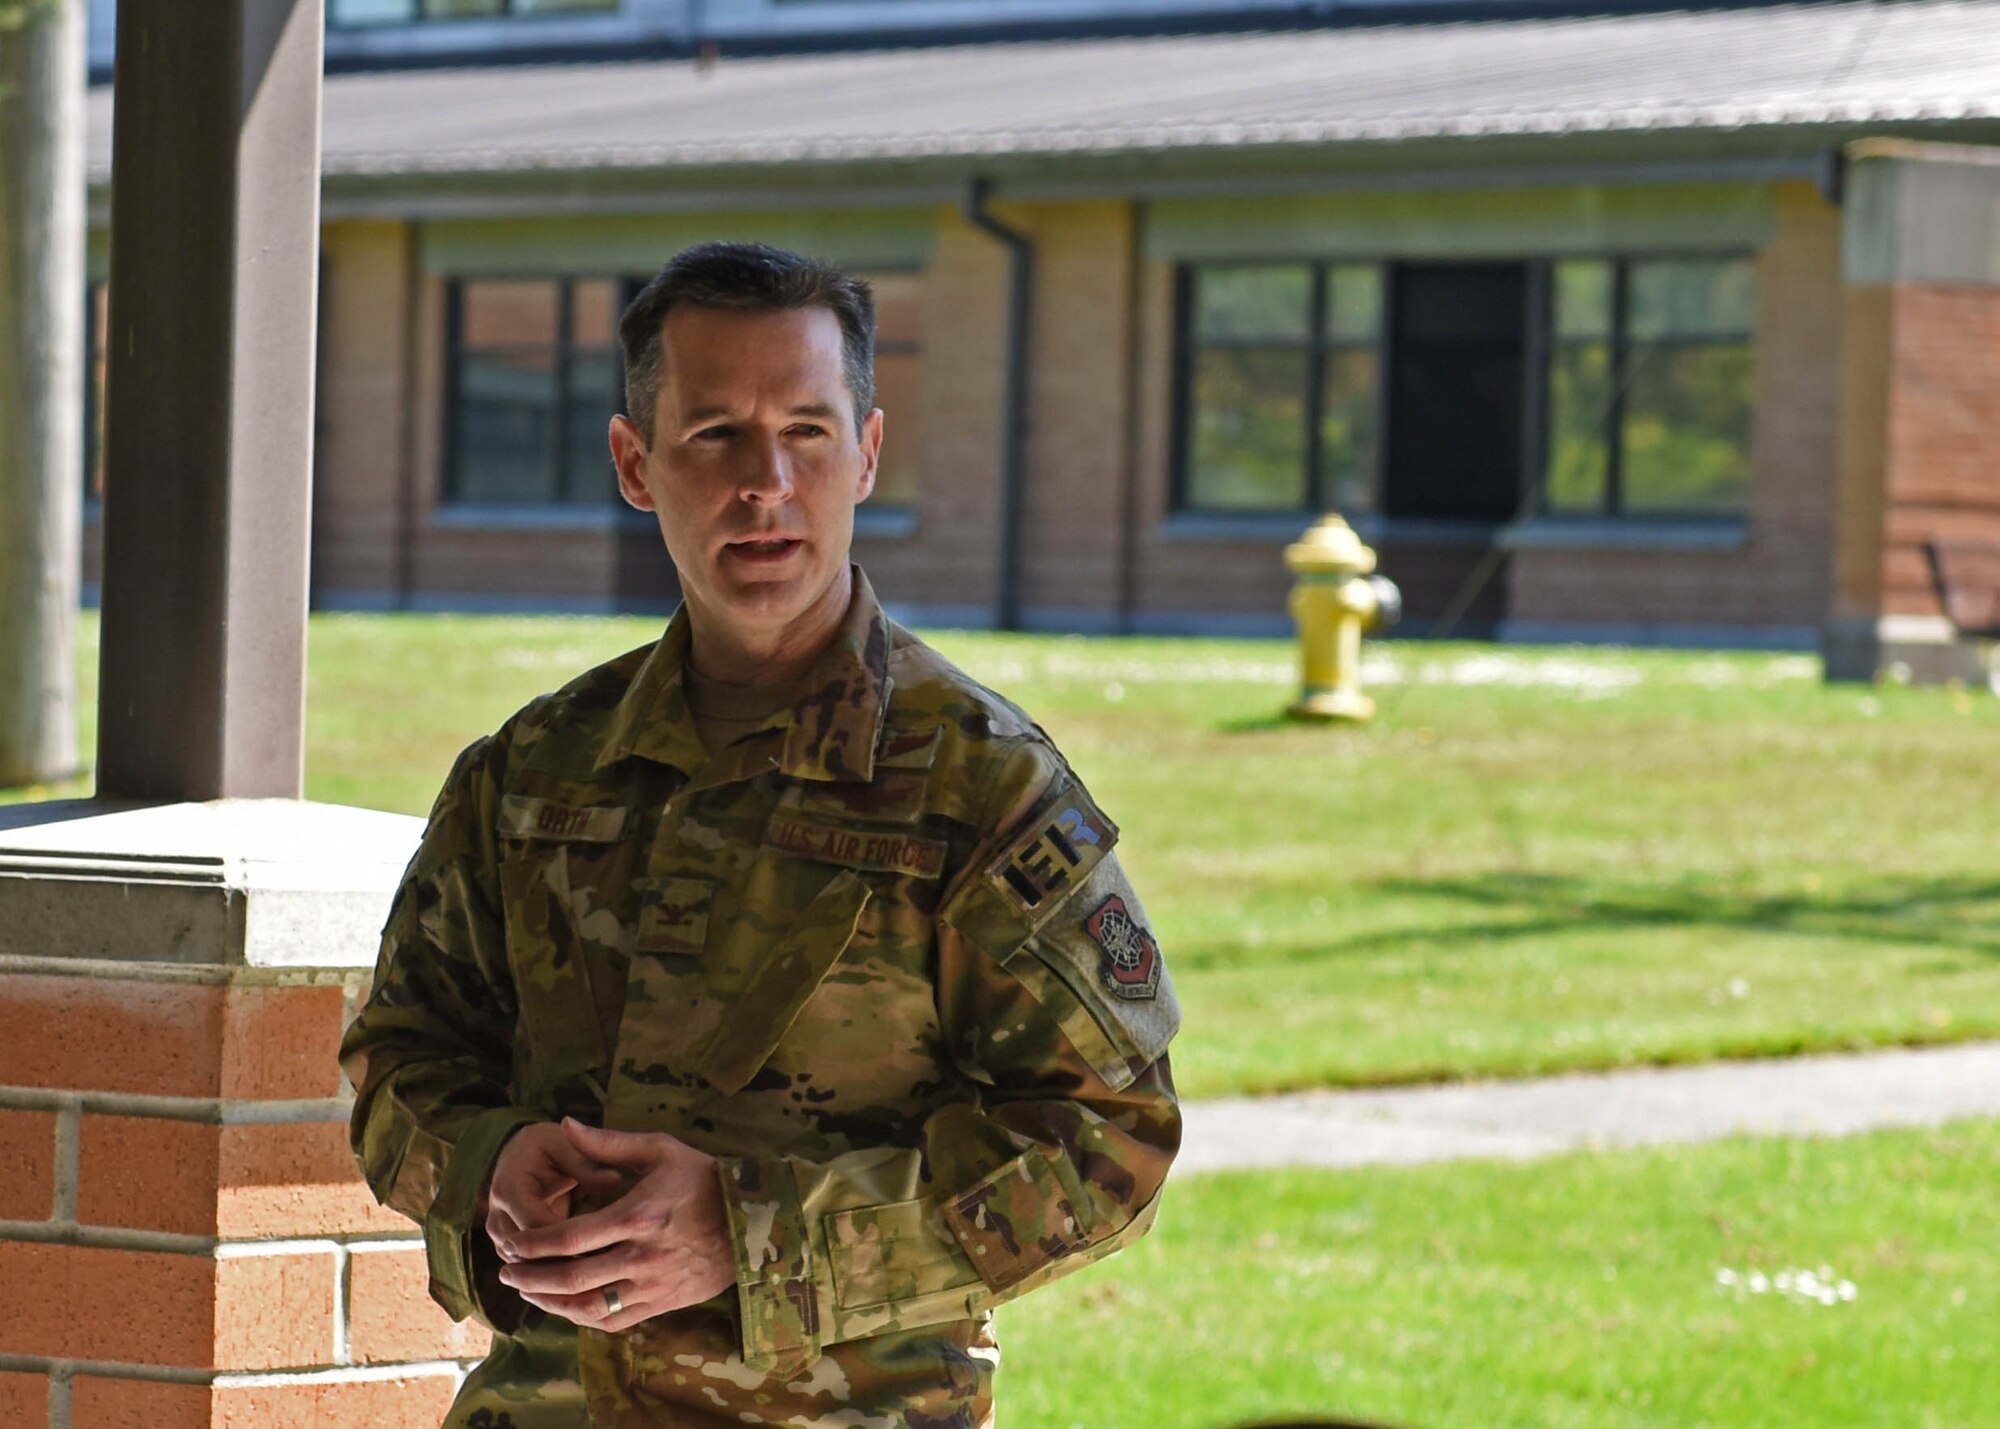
point(612, 1304)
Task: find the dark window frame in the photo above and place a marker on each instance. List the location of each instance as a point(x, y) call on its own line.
point(1620, 342)
point(1317, 345)
point(563, 478)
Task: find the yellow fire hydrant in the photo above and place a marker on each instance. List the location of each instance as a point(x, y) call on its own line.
point(1336, 599)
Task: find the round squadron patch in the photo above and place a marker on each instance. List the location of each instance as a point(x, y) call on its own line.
point(1131, 962)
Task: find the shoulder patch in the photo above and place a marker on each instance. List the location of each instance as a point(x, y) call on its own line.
point(1130, 966)
point(522, 817)
point(1100, 947)
point(1054, 854)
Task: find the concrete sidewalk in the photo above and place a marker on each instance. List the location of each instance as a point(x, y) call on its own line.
point(1802, 1096)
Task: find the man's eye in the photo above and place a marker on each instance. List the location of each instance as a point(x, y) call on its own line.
point(808, 429)
point(714, 433)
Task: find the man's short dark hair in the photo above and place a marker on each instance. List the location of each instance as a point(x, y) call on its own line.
point(745, 277)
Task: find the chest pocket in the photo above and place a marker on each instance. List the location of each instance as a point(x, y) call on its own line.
point(713, 1000)
point(562, 1032)
point(566, 887)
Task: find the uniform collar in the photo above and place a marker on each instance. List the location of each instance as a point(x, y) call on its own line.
point(829, 734)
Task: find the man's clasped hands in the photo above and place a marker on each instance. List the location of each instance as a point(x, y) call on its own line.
point(661, 1244)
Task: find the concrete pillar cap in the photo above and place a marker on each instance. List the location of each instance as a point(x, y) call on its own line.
point(252, 882)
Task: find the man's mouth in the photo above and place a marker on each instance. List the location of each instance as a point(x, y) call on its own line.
point(764, 549)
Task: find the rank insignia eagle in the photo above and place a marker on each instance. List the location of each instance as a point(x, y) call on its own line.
point(1131, 962)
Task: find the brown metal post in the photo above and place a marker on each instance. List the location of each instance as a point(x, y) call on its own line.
point(209, 395)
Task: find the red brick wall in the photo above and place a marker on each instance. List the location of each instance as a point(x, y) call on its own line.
point(1867, 329)
point(1080, 393)
point(1942, 447)
point(359, 462)
point(184, 1239)
point(953, 559)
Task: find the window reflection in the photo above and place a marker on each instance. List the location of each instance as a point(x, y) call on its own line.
point(536, 379)
point(1261, 370)
point(1651, 366)
point(1248, 445)
point(1687, 413)
point(1579, 402)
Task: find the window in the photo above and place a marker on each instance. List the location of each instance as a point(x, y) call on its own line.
point(1650, 365)
point(536, 375)
point(397, 12)
point(535, 380)
point(1280, 386)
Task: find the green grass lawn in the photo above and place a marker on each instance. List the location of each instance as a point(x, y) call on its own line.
point(1534, 860)
point(1584, 1291)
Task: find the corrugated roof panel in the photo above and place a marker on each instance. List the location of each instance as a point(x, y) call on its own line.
point(1933, 59)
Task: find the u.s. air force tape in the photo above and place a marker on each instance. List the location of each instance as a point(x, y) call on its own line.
point(855, 848)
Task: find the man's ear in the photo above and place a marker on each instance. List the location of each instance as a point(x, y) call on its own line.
point(871, 454)
point(628, 454)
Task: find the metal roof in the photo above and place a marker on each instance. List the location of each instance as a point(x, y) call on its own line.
point(1913, 61)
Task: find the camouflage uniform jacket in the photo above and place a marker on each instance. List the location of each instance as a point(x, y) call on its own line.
point(877, 957)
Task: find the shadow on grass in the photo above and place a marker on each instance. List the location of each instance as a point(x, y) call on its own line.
point(1905, 911)
point(1256, 724)
point(1278, 720)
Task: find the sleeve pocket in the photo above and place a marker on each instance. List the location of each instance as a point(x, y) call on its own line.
point(888, 1253)
point(1017, 1220)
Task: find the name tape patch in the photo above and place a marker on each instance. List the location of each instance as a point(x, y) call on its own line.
point(525, 818)
point(1054, 855)
point(855, 848)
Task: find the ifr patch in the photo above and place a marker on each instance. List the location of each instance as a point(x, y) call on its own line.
point(1130, 966)
point(1055, 855)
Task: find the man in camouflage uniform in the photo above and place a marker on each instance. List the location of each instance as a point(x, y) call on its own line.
point(736, 1073)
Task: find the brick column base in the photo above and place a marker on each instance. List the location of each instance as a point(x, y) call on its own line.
point(184, 1239)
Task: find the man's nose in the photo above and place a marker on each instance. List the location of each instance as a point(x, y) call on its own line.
point(767, 473)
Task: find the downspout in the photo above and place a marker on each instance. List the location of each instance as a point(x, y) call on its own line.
point(1013, 396)
point(1128, 464)
point(413, 328)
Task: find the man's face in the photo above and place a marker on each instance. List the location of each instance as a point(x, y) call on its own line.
point(755, 466)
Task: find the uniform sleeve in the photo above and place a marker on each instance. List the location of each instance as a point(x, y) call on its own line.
point(1058, 1009)
point(429, 1054)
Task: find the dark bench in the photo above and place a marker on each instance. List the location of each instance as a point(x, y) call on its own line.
point(1966, 577)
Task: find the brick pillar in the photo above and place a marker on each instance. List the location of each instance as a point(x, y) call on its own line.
point(184, 1240)
point(1920, 399)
